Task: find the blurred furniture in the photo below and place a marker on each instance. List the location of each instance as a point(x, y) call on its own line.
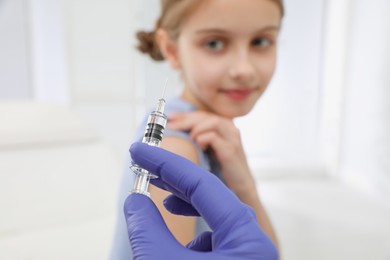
point(58, 185)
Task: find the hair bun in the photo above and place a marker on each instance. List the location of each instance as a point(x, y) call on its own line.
point(148, 45)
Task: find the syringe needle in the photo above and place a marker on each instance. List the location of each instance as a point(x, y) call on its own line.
point(165, 87)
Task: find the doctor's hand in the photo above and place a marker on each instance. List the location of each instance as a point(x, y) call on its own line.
point(235, 232)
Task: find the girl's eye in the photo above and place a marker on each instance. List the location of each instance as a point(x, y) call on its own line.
point(215, 45)
point(261, 42)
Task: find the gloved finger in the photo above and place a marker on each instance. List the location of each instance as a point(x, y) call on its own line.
point(202, 243)
point(144, 221)
point(209, 196)
point(178, 206)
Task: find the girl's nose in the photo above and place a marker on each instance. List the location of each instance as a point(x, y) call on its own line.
point(242, 68)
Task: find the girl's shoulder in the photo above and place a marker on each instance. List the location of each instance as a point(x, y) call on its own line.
point(177, 105)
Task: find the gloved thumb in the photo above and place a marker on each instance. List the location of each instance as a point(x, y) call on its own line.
point(202, 243)
point(147, 229)
point(178, 206)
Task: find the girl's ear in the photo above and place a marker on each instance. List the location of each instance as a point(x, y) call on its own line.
point(168, 48)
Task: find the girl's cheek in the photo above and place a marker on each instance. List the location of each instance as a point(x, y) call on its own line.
point(210, 62)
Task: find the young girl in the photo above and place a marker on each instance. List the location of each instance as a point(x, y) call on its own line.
point(225, 51)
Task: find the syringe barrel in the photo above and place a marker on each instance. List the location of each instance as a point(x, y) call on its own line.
point(153, 135)
point(155, 128)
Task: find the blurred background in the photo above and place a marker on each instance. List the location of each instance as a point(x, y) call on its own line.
point(73, 88)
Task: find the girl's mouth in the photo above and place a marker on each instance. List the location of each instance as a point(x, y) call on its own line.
point(238, 94)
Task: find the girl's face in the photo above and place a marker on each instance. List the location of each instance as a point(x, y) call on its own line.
point(226, 52)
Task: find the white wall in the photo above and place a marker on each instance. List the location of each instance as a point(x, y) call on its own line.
point(101, 63)
point(14, 54)
point(100, 50)
point(33, 57)
point(48, 47)
point(366, 135)
point(334, 67)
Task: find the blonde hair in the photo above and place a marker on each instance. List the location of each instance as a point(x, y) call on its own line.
point(173, 12)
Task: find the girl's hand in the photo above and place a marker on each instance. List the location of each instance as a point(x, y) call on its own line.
point(220, 134)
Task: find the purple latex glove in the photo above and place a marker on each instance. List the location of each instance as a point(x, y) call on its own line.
point(235, 232)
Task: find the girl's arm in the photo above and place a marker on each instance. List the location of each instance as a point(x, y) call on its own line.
point(183, 228)
point(247, 193)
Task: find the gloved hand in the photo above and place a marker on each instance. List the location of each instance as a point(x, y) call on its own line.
point(235, 232)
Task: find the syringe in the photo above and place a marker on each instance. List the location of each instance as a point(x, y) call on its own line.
point(153, 136)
